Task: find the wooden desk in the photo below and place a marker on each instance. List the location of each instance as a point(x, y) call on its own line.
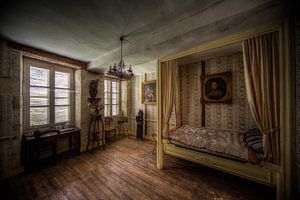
point(29, 140)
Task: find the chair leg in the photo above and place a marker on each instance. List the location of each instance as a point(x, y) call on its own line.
point(54, 153)
point(127, 133)
point(70, 142)
point(37, 160)
point(119, 129)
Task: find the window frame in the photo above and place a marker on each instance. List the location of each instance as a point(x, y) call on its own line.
point(52, 67)
point(111, 92)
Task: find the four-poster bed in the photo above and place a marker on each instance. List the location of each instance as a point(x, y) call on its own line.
point(274, 171)
point(222, 143)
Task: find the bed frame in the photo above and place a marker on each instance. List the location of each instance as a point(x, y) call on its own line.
point(279, 176)
point(260, 173)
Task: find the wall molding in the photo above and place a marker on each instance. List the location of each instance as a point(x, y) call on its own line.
point(47, 56)
point(231, 39)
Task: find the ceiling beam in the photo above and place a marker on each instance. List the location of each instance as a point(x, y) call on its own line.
point(52, 56)
point(191, 30)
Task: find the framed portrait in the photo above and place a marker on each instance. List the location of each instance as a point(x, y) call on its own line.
point(216, 88)
point(149, 92)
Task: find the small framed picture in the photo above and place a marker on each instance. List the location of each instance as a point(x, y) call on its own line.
point(149, 92)
point(216, 88)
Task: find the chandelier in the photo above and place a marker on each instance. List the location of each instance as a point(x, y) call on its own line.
point(120, 70)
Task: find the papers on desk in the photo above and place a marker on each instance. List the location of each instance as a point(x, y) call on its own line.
point(67, 129)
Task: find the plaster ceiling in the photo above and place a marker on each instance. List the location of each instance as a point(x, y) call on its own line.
point(89, 30)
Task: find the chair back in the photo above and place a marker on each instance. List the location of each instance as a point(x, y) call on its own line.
point(107, 122)
point(122, 120)
point(44, 137)
point(44, 143)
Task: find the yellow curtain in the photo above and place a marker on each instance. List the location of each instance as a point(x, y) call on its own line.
point(170, 94)
point(177, 98)
point(262, 88)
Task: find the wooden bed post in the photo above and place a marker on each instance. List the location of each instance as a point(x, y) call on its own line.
point(203, 104)
point(287, 108)
point(159, 151)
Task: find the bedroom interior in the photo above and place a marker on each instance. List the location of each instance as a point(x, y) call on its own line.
point(149, 100)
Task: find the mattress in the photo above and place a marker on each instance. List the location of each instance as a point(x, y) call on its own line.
point(222, 143)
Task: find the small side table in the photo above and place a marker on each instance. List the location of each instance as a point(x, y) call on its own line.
point(96, 132)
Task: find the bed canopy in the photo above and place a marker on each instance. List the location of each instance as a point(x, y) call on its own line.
point(266, 74)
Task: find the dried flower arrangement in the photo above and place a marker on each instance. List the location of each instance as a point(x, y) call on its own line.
point(95, 105)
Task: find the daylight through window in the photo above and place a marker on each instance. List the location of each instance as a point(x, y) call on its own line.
point(111, 97)
point(50, 94)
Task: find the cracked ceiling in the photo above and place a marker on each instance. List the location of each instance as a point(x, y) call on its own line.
point(90, 30)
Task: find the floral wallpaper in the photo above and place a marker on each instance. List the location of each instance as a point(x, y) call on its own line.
point(235, 116)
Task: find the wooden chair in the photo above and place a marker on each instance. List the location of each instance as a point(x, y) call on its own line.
point(45, 142)
point(109, 129)
point(122, 126)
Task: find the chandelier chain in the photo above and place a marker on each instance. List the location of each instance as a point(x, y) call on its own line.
point(120, 71)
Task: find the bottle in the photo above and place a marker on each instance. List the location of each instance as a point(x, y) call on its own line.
point(67, 124)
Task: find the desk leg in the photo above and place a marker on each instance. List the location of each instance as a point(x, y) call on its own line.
point(70, 143)
point(78, 144)
point(77, 139)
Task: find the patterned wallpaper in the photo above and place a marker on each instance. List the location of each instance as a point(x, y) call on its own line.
point(5, 61)
point(235, 116)
point(190, 94)
point(10, 111)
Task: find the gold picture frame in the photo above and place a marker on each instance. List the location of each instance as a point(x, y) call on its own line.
point(149, 92)
point(216, 88)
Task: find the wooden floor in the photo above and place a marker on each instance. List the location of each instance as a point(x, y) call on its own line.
point(126, 170)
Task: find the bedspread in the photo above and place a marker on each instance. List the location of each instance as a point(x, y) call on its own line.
point(225, 142)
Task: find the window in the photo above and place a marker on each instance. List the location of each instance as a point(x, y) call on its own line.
point(39, 96)
point(62, 97)
point(48, 92)
point(111, 98)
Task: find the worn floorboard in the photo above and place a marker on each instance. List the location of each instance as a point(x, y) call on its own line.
point(126, 170)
